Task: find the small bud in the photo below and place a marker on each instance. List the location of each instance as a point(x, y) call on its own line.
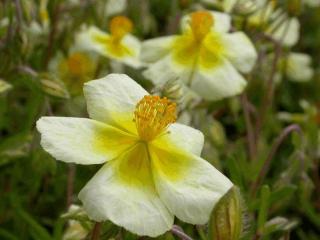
point(245, 7)
point(78, 223)
point(173, 90)
point(4, 86)
point(217, 133)
point(226, 221)
point(279, 224)
point(53, 87)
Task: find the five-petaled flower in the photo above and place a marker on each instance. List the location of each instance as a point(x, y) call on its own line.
point(74, 69)
point(205, 57)
point(119, 45)
point(152, 166)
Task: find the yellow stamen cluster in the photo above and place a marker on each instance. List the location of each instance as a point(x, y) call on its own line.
point(78, 64)
point(119, 27)
point(153, 115)
point(201, 22)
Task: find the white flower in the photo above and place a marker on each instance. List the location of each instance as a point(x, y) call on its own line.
point(298, 67)
point(311, 3)
point(113, 7)
point(75, 69)
point(152, 167)
point(205, 57)
point(119, 45)
point(275, 22)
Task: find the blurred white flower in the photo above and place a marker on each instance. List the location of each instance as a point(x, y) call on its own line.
point(74, 230)
point(119, 45)
point(275, 22)
point(205, 56)
point(228, 6)
point(114, 7)
point(298, 67)
point(44, 15)
point(75, 69)
point(311, 3)
point(294, 66)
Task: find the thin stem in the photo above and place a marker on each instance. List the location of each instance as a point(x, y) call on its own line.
point(201, 232)
point(53, 30)
point(176, 230)
point(96, 231)
point(70, 183)
point(265, 168)
point(249, 127)
point(19, 13)
point(268, 97)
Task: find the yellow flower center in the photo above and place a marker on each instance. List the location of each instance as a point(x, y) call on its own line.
point(153, 115)
point(119, 27)
point(78, 64)
point(201, 22)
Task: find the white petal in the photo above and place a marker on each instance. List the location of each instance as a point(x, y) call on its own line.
point(81, 140)
point(163, 70)
point(187, 184)
point(112, 100)
point(92, 38)
point(181, 136)
point(157, 48)
point(115, 7)
point(219, 82)
point(288, 32)
point(240, 51)
point(123, 192)
point(312, 3)
point(299, 67)
point(85, 39)
point(132, 43)
point(222, 22)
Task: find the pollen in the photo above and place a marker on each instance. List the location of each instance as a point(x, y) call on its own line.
point(201, 22)
point(153, 115)
point(119, 27)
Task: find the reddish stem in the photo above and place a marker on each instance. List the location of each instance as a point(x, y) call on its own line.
point(265, 168)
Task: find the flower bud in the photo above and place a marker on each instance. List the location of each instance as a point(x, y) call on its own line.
point(217, 133)
point(173, 91)
point(226, 221)
point(245, 7)
point(53, 87)
point(4, 86)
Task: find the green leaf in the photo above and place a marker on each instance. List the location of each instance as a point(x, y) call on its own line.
point(35, 228)
point(5, 235)
point(264, 205)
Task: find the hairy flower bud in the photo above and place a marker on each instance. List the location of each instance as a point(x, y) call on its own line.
point(226, 221)
point(172, 90)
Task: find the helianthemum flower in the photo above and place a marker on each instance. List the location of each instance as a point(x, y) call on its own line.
point(152, 166)
point(275, 22)
point(298, 67)
point(74, 69)
point(205, 56)
point(119, 45)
